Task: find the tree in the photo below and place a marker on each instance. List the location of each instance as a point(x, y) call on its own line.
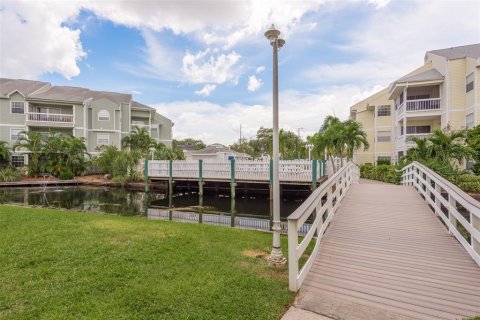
point(473, 142)
point(31, 142)
point(447, 146)
point(196, 144)
point(4, 154)
point(355, 137)
point(162, 152)
point(138, 140)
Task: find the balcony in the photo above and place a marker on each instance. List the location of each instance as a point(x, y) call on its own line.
point(421, 106)
point(40, 119)
point(407, 142)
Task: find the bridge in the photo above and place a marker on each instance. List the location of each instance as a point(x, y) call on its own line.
point(291, 172)
point(382, 251)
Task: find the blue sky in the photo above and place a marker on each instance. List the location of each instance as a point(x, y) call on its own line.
point(207, 65)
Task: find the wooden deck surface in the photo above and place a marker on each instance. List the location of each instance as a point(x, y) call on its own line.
point(387, 256)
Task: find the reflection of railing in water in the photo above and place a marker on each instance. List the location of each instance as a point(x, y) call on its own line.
point(220, 220)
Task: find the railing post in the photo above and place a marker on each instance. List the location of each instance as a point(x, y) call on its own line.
point(314, 174)
point(232, 178)
point(200, 178)
point(271, 172)
point(145, 172)
point(292, 256)
point(170, 177)
point(438, 203)
point(451, 204)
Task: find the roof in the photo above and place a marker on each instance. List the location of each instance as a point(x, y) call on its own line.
point(217, 147)
point(25, 87)
point(361, 105)
point(472, 51)
point(429, 75)
point(139, 105)
point(30, 89)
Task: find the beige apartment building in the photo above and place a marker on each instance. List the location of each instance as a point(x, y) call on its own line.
point(442, 94)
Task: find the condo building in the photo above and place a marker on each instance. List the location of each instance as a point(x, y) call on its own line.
point(102, 118)
point(442, 94)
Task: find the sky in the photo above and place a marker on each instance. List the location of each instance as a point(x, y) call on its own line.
point(207, 66)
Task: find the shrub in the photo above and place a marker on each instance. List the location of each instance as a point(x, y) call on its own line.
point(383, 162)
point(9, 174)
point(467, 182)
point(66, 174)
point(385, 173)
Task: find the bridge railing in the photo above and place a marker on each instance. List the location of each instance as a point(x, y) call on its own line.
point(321, 205)
point(459, 212)
point(289, 170)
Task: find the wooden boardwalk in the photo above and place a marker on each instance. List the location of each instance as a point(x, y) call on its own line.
point(387, 256)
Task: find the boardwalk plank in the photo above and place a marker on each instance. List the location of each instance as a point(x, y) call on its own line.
point(387, 256)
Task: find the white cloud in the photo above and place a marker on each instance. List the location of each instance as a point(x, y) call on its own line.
point(34, 40)
point(213, 122)
point(254, 83)
point(386, 51)
point(206, 90)
point(206, 66)
point(260, 69)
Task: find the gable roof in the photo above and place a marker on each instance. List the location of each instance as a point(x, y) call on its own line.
point(429, 75)
point(25, 87)
point(472, 51)
point(139, 105)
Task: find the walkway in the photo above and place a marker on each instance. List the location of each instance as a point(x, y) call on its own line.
point(386, 256)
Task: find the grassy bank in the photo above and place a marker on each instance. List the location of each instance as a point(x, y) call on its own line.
point(66, 265)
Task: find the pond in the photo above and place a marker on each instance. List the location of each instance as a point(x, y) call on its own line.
point(249, 212)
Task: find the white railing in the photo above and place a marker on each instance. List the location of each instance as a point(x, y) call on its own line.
point(423, 105)
point(50, 117)
point(321, 205)
point(289, 170)
point(459, 212)
point(400, 109)
point(411, 143)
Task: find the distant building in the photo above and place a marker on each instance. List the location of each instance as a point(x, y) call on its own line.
point(443, 93)
point(215, 152)
point(102, 118)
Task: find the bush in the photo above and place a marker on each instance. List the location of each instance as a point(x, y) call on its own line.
point(467, 182)
point(9, 174)
point(385, 173)
point(66, 174)
point(383, 162)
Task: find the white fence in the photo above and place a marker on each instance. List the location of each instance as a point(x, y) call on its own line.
point(50, 117)
point(459, 212)
point(289, 170)
point(321, 206)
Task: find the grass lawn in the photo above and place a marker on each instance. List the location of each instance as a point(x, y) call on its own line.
point(68, 265)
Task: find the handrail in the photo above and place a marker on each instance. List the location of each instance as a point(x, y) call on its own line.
point(322, 204)
point(431, 186)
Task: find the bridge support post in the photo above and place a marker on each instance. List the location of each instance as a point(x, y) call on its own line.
point(170, 178)
point(232, 178)
point(314, 175)
point(200, 178)
point(200, 211)
point(145, 172)
point(232, 212)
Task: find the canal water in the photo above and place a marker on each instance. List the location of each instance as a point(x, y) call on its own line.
point(248, 212)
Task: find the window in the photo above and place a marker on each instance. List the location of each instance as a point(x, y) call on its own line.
point(15, 133)
point(383, 111)
point(470, 120)
point(18, 161)
point(103, 115)
point(50, 110)
point(419, 97)
point(103, 139)
point(469, 83)
point(17, 107)
point(383, 136)
point(418, 129)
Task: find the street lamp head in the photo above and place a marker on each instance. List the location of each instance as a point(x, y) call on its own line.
point(272, 34)
point(280, 43)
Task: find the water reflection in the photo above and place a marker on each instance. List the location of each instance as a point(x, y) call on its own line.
point(246, 212)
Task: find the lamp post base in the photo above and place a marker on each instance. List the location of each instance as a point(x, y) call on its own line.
point(276, 259)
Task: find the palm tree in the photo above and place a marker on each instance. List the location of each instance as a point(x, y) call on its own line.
point(31, 142)
point(447, 146)
point(138, 140)
point(354, 137)
point(75, 153)
point(418, 153)
point(4, 154)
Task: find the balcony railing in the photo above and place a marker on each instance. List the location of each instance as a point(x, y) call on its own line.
point(423, 104)
point(411, 143)
point(50, 117)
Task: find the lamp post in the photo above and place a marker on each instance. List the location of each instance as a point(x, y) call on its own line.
point(309, 147)
point(276, 258)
